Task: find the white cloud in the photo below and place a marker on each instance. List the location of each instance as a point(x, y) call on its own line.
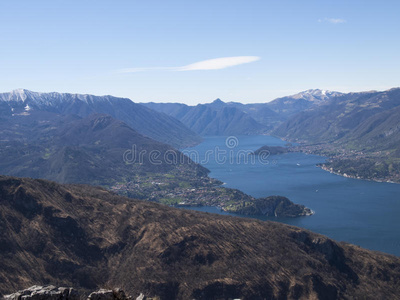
point(219, 63)
point(210, 64)
point(332, 20)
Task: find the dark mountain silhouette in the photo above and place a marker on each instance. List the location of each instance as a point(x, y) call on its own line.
point(87, 237)
point(144, 120)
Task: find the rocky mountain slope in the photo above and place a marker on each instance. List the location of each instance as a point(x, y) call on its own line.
point(144, 120)
point(87, 237)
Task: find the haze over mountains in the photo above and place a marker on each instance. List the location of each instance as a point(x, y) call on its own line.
point(216, 118)
point(177, 124)
point(234, 118)
point(359, 129)
point(147, 122)
point(365, 122)
point(87, 237)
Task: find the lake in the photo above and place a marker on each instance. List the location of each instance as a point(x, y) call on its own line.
point(360, 212)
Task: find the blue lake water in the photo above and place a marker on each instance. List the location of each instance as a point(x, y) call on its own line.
point(364, 213)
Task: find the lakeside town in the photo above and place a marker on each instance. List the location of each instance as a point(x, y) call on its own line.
point(181, 190)
point(376, 166)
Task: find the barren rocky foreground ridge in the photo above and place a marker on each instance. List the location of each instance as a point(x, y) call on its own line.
point(89, 238)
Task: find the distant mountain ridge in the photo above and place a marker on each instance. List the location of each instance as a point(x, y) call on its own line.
point(272, 114)
point(216, 118)
point(366, 121)
point(234, 118)
point(144, 120)
point(314, 95)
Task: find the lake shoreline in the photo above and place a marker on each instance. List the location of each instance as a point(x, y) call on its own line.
point(326, 151)
point(362, 212)
point(330, 170)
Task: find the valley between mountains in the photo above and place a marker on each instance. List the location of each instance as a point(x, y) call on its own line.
point(359, 132)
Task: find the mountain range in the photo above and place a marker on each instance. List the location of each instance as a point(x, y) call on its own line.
point(173, 123)
point(87, 237)
point(216, 118)
point(234, 118)
point(366, 121)
point(150, 123)
point(359, 132)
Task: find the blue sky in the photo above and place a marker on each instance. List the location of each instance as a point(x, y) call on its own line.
point(148, 50)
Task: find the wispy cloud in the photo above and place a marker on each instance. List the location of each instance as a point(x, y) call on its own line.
point(219, 63)
point(332, 20)
point(210, 64)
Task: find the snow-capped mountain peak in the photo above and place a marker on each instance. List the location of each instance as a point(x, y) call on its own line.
point(316, 95)
point(35, 99)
